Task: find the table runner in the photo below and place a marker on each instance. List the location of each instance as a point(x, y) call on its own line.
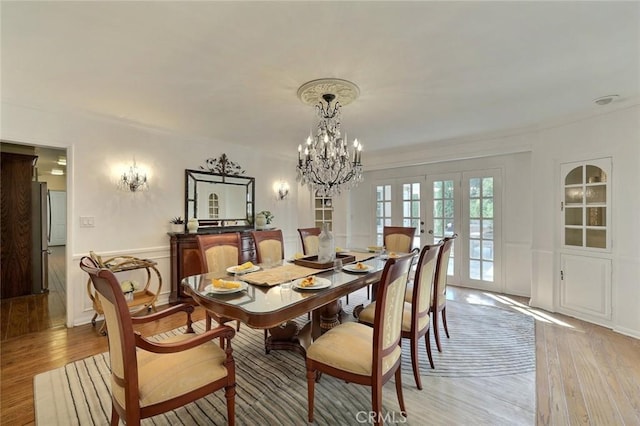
point(282, 273)
point(279, 274)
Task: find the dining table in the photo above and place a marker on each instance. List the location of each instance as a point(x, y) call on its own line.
point(272, 298)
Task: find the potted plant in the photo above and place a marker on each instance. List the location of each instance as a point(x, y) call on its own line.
point(177, 224)
point(263, 219)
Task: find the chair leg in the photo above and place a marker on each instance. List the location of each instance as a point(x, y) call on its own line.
point(347, 299)
point(428, 342)
point(207, 323)
point(115, 418)
point(311, 381)
point(230, 395)
point(376, 402)
point(436, 330)
point(237, 325)
point(369, 292)
point(403, 410)
point(414, 362)
point(444, 321)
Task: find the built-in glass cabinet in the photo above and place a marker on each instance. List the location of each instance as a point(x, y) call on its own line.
point(585, 204)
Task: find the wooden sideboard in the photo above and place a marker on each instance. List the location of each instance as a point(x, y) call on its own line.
point(186, 260)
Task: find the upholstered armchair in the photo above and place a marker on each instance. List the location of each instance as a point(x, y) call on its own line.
point(366, 355)
point(415, 316)
point(149, 378)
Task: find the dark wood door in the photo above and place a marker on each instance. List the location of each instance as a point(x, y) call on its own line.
point(15, 226)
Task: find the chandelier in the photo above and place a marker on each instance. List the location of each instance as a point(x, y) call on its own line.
point(327, 162)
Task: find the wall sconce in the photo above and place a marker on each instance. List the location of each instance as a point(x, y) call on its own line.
point(281, 189)
point(133, 180)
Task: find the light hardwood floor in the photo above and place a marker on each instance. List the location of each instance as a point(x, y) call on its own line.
point(586, 374)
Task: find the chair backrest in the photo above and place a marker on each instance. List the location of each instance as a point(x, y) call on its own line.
point(269, 245)
point(310, 240)
point(439, 297)
point(398, 238)
point(387, 327)
point(122, 346)
point(219, 251)
point(423, 285)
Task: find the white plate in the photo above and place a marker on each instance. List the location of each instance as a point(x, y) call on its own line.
point(320, 283)
point(211, 289)
point(352, 268)
point(232, 269)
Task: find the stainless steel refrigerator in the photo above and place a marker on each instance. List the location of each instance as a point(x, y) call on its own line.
point(39, 238)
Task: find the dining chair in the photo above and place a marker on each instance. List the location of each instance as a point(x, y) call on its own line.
point(398, 238)
point(365, 355)
point(269, 249)
point(415, 317)
point(309, 239)
point(310, 245)
point(149, 378)
point(219, 252)
point(439, 299)
point(269, 245)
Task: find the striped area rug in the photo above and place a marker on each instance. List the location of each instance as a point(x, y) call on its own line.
point(485, 375)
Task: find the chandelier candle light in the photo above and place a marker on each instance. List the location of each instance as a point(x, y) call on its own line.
point(327, 163)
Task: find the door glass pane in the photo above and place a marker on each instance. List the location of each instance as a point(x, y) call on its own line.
point(596, 238)
point(595, 174)
point(438, 208)
point(474, 269)
point(438, 228)
point(474, 208)
point(487, 208)
point(574, 177)
point(573, 216)
point(596, 194)
point(573, 237)
point(474, 249)
point(573, 195)
point(487, 250)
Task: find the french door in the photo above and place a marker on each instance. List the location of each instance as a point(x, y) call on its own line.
point(466, 204)
point(398, 203)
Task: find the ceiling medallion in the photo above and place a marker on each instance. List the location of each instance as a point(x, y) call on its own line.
point(345, 92)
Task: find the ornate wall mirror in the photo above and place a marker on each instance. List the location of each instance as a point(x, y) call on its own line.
point(219, 199)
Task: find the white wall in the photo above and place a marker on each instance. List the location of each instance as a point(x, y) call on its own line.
point(531, 228)
point(615, 134)
point(136, 223)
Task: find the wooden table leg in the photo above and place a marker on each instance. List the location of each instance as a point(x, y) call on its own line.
point(290, 336)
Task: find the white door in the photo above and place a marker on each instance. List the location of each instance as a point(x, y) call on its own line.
point(443, 200)
point(480, 239)
point(57, 218)
point(585, 287)
point(399, 203)
point(467, 204)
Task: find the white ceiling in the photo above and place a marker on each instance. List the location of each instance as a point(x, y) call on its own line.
point(427, 71)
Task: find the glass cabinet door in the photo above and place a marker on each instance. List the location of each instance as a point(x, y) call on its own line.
point(585, 204)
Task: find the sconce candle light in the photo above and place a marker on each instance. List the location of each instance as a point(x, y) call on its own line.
point(281, 189)
point(134, 179)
